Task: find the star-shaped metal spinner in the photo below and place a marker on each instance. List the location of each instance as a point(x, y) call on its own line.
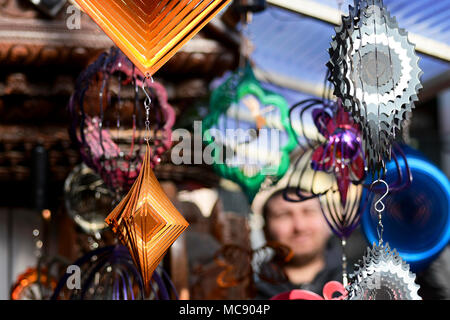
point(375, 72)
point(248, 131)
point(146, 221)
point(382, 275)
point(151, 32)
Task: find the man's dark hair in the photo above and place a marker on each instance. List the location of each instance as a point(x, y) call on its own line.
point(265, 209)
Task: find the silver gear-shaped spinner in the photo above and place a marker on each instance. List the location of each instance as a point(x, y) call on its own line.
point(375, 72)
point(382, 275)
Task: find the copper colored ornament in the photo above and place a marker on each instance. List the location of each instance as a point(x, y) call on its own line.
point(146, 221)
point(151, 32)
point(33, 284)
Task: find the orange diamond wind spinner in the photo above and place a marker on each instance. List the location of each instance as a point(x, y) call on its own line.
point(146, 221)
point(150, 32)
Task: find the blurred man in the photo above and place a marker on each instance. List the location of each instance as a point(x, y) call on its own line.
point(302, 227)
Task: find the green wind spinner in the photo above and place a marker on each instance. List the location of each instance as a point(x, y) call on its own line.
point(248, 132)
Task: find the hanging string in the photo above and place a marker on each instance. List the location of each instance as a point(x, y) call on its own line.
point(344, 264)
point(101, 99)
point(119, 103)
point(243, 58)
point(244, 39)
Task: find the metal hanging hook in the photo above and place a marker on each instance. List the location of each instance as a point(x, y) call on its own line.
point(144, 88)
point(379, 207)
point(379, 202)
point(147, 104)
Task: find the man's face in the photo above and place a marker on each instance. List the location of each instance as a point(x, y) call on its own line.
point(298, 225)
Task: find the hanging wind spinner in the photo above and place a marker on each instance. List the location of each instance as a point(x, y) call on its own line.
point(382, 274)
point(108, 273)
point(375, 72)
point(145, 220)
point(87, 199)
point(33, 284)
point(108, 125)
point(248, 132)
point(151, 32)
point(331, 167)
point(341, 154)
